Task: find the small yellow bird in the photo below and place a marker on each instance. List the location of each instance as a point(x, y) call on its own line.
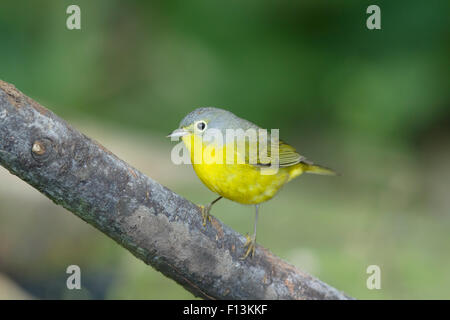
point(240, 178)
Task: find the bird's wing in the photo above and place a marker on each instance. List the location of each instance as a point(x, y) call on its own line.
point(287, 155)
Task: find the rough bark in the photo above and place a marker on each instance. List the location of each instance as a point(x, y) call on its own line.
point(155, 224)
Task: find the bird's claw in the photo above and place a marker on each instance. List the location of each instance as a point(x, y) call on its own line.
point(205, 214)
point(250, 244)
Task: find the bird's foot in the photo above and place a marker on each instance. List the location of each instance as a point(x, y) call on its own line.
point(205, 214)
point(250, 244)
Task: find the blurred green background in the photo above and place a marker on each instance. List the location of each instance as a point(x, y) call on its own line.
point(373, 105)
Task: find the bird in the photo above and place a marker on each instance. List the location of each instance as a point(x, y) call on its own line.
point(205, 133)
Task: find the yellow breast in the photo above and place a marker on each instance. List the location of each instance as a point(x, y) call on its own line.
point(242, 183)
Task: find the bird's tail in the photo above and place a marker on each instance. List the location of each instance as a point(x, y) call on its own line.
point(316, 169)
point(301, 167)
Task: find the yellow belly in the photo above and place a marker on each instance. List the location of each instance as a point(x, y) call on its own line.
point(240, 182)
point(243, 183)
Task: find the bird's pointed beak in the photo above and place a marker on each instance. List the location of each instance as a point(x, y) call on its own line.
point(178, 133)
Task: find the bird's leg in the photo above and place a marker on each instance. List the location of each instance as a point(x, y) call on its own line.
point(205, 211)
point(250, 244)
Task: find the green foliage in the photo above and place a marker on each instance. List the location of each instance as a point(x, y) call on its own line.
point(294, 65)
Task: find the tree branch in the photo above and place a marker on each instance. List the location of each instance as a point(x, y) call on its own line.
point(155, 224)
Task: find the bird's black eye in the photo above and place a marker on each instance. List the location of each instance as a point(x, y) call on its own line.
point(201, 125)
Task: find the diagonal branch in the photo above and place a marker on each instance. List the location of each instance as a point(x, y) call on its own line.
point(155, 224)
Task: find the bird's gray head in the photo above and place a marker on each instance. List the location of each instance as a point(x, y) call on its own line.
point(201, 119)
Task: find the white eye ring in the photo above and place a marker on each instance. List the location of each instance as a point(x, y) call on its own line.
point(201, 125)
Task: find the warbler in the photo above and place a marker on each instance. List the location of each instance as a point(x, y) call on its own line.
point(248, 175)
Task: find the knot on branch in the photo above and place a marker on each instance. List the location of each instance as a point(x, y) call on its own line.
point(43, 150)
